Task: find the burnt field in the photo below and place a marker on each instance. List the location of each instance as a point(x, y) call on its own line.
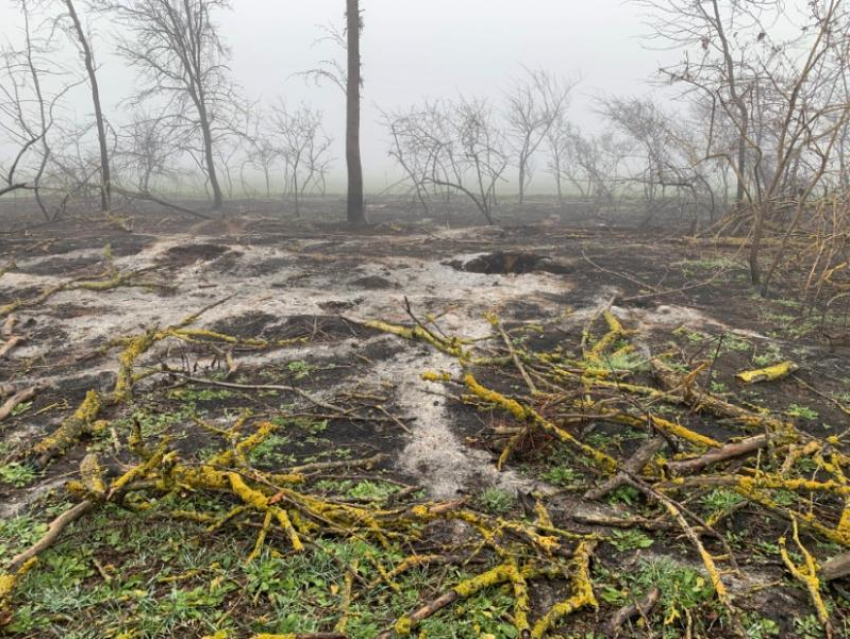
point(297, 428)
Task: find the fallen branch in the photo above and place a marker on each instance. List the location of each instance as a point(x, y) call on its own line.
point(719, 455)
point(625, 614)
point(10, 344)
point(9, 326)
point(54, 529)
point(633, 466)
point(17, 399)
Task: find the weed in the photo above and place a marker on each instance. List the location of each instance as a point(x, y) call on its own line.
point(732, 342)
point(17, 475)
point(761, 627)
point(801, 412)
point(808, 627)
point(629, 539)
point(561, 476)
point(682, 589)
point(299, 369)
point(372, 491)
point(625, 495)
point(771, 355)
point(496, 501)
point(719, 388)
point(21, 408)
point(269, 452)
point(720, 500)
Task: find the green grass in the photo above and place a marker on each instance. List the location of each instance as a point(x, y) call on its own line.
point(166, 578)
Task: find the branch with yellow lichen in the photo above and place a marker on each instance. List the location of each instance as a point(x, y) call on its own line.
point(807, 574)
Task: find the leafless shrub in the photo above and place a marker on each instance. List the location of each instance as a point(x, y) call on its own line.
point(535, 104)
point(299, 140)
point(453, 145)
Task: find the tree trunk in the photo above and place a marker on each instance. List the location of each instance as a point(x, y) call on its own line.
point(356, 208)
point(522, 181)
point(88, 60)
point(209, 157)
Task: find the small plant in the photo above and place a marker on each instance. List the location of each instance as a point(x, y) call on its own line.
point(200, 394)
point(496, 501)
point(771, 355)
point(629, 539)
point(734, 343)
point(719, 388)
point(682, 589)
point(299, 369)
point(625, 495)
point(561, 476)
point(802, 412)
point(269, 452)
point(21, 408)
point(761, 628)
point(720, 500)
point(372, 491)
point(808, 627)
point(625, 361)
point(17, 475)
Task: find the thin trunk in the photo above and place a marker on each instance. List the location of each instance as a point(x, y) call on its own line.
point(88, 60)
point(522, 180)
point(356, 207)
point(209, 157)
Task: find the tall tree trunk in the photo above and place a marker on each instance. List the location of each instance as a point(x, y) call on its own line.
point(356, 208)
point(88, 60)
point(522, 181)
point(209, 156)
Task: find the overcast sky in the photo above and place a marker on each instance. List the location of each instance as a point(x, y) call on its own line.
point(416, 49)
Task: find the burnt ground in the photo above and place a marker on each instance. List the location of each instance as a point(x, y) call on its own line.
point(293, 296)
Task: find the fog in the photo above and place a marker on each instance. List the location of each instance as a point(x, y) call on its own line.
point(412, 51)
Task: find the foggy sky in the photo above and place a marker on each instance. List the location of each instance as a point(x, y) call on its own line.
point(412, 50)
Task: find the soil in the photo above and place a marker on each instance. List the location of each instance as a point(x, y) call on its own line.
point(317, 282)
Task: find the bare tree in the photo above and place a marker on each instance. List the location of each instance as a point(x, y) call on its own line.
point(27, 108)
point(180, 54)
point(83, 43)
point(781, 95)
point(354, 81)
point(144, 151)
point(452, 145)
point(596, 167)
point(300, 142)
point(534, 105)
point(263, 154)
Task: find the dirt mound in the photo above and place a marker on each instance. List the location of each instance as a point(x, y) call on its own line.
point(511, 263)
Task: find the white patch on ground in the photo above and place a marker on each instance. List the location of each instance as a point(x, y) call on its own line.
point(299, 285)
point(435, 453)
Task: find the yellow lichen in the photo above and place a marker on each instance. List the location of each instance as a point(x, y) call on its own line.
point(434, 376)
point(807, 573)
point(9, 581)
point(769, 374)
point(582, 593)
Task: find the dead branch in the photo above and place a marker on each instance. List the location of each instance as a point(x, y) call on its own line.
point(10, 344)
point(633, 466)
point(15, 400)
point(719, 455)
point(54, 530)
point(625, 614)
